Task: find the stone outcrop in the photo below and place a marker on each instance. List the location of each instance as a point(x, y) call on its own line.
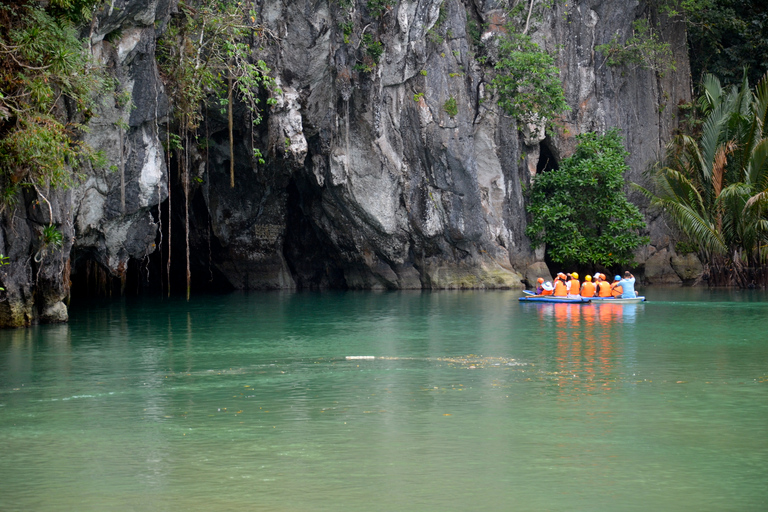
point(371, 181)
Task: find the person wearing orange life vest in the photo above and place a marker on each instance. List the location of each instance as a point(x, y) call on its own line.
point(588, 287)
point(547, 288)
point(574, 287)
point(561, 289)
point(603, 288)
point(616, 288)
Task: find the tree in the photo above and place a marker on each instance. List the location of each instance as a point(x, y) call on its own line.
point(725, 36)
point(580, 210)
point(715, 185)
point(527, 80)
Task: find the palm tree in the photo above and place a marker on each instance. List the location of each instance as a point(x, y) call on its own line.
point(715, 185)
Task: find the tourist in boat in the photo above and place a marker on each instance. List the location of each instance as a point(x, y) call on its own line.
point(574, 287)
point(561, 288)
point(616, 288)
point(588, 287)
point(539, 287)
point(547, 288)
point(628, 286)
point(603, 288)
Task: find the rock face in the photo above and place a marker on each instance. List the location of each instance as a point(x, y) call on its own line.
point(374, 179)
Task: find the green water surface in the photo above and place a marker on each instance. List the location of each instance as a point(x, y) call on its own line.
point(474, 402)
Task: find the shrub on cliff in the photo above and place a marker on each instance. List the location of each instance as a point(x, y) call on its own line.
point(580, 210)
point(48, 82)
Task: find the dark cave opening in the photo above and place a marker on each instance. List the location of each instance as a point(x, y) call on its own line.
point(313, 261)
point(547, 159)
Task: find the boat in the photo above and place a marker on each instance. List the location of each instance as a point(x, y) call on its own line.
point(532, 297)
point(551, 298)
point(612, 300)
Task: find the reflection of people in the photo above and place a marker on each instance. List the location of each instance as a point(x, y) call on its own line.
point(628, 286)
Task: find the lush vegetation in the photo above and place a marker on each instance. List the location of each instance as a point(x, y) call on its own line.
point(643, 48)
point(48, 83)
point(580, 210)
point(715, 184)
point(726, 36)
point(527, 80)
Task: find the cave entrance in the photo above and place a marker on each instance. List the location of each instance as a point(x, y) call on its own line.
point(547, 159)
point(314, 261)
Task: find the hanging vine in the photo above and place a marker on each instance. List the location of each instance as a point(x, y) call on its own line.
point(204, 59)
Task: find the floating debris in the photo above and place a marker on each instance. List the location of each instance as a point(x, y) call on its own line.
point(361, 357)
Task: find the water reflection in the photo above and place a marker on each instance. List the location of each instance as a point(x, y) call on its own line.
point(472, 401)
point(589, 339)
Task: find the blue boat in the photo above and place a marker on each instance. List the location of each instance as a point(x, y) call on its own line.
point(561, 300)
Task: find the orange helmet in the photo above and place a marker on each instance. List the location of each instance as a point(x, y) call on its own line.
point(541, 280)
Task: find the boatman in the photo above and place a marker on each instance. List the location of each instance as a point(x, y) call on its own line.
point(539, 287)
point(616, 288)
point(628, 286)
point(588, 288)
point(573, 285)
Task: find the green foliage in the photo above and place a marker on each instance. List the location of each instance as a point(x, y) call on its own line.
point(580, 211)
point(714, 185)
point(474, 31)
point(725, 36)
point(527, 80)
point(4, 260)
point(434, 33)
point(202, 49)
point(346, 28)
point(377, 8)
point(42, 64)
point(642, 49)
point(374, 49)
point(51, 238)
point(450, 107)
point(417, 97)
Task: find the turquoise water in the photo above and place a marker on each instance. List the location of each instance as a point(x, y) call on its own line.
point(473, 402)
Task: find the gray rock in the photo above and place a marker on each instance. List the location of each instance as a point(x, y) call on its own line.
point(370, 182)
point(658, 269)
point(688, 267)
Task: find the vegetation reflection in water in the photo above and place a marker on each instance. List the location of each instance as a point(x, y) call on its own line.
point(463, 401)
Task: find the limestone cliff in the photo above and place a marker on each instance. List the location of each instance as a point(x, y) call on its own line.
point(370, 182)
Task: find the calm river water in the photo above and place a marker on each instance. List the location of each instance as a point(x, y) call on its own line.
point(474, 402)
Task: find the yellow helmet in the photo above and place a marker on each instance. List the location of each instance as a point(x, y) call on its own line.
point(575, 275)
point(588, 278)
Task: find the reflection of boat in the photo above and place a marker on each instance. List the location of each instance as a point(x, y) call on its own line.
point(550, 298)
point(611, 300)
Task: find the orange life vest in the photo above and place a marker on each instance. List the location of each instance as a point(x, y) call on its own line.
point(603, 289)
point(616, 291)
point(546, 292)
point(574, 290)
point(588, 289)
point(560, 289)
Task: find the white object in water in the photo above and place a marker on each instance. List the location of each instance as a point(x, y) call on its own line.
point(361, 357)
